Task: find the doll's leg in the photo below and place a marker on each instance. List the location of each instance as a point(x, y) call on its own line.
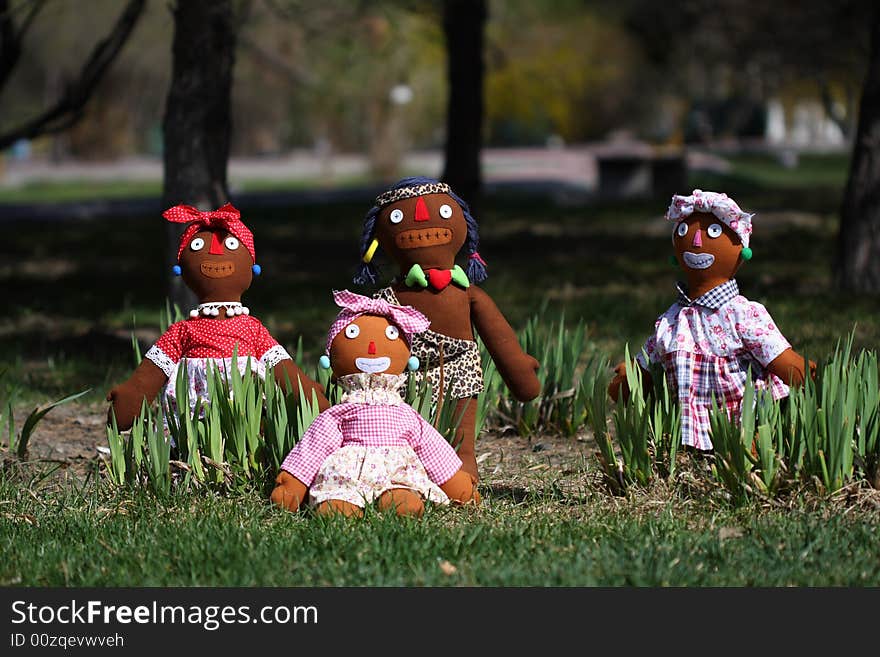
point(465, 435)
point(404, 501)
point(331, 507)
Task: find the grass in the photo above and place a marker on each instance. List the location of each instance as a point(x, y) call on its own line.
point(75, 290)
point(89, 538)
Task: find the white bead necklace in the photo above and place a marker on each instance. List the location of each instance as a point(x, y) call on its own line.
point(212, 309)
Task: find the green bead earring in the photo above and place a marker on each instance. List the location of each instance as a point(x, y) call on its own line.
point(746, 253)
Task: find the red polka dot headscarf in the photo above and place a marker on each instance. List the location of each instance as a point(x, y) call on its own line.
point(226, 218)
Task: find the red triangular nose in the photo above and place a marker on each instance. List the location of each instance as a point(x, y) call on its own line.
point(216, 245)
point(422, 213)
point(371, 349)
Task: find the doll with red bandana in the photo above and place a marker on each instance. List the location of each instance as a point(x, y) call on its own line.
point(712, 336)
point(422, 225)
point(217, 261)
point(372, 447)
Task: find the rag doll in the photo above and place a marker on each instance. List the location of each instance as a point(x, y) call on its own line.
point(372, 446)
point(217, 262)
point(709, 339)
point(422, 225)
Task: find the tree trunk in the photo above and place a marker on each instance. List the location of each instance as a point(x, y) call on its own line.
point(463, 25)
point(858, 247)
point(198, 122)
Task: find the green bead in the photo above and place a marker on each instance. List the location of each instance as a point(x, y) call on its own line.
point(746, 253)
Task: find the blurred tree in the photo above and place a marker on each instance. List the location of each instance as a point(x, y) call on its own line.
point(712, 52)
point(464, 26)
point(70, 107)
point(197, 123)
point(858, 256)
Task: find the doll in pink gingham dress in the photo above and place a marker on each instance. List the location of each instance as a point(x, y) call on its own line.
point(372, 446)
point(712, 337)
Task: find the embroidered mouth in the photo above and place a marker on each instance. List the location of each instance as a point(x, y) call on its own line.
point(420, 237)
point(218, 269)
point(698, 260)
point(373, 365)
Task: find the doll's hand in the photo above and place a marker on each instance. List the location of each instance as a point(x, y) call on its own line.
point(461, 488)
point(289, 492)
point(618, 385)
point(522, 380)
point(619, 388)
point(127, 400)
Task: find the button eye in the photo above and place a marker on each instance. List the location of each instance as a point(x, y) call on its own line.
point(714, 230)
point(396, 216)
point(231, 243)
point(445, 211)
point(391, 332)
point(197, 244)
point(682, 229)
point(352, 331)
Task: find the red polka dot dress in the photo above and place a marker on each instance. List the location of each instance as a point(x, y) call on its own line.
point(200, 343)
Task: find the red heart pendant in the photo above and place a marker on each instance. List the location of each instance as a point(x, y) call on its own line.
point(439, 278)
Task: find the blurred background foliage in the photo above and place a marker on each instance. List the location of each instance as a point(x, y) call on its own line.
point(347, 75)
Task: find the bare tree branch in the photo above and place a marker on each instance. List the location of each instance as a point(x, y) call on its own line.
point(70, 107)
point(12, 38)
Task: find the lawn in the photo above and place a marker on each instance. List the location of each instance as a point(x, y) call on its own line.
point(76, 289)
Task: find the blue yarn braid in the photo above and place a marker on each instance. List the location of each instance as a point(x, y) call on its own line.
point(367, 273)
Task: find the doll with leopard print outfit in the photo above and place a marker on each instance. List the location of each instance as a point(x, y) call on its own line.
point(712, 336)
point(217, 262)
point(421, 224)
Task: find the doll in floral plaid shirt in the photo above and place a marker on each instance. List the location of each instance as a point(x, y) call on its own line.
point(372, 446)
point(712, 336)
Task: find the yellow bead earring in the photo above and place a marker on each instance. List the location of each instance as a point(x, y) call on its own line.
point(371, 251)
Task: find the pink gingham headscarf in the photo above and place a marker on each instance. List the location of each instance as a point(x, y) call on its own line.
point(720, 205)
point(406, 318)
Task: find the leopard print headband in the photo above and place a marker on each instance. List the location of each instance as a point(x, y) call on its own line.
point(394, 195)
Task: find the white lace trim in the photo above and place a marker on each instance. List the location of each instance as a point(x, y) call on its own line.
point(275, 355)
point(162, 361)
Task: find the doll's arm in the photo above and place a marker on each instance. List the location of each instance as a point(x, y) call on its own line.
point(127, 398)
point(516, 367)
point(441, 462)
point(764, 340)
point(789, 366)
point(288, 371)
point(321, 439)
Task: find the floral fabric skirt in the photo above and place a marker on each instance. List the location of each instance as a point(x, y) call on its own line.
point(359, 474)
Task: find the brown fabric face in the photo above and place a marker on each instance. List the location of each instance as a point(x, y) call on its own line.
point(701, 243)
point(216, 276)
point(372, 347)
point(423, 235)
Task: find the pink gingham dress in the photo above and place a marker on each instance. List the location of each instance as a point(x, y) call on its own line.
point(369, 443)
point(706, 347)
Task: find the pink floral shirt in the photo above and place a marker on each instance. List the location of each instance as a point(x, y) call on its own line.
point(707, 346)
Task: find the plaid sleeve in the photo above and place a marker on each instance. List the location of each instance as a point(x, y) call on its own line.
point(321, 439)
point(434, 451)
point(759, 333)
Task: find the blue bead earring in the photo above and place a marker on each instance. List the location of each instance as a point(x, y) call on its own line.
point(176, 270)
point(412, 364)
point(324, 362)
point(257, 270)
